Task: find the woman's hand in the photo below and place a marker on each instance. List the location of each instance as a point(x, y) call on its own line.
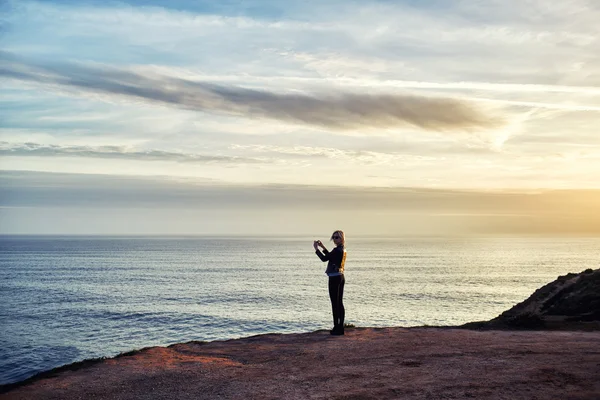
point(316, 244)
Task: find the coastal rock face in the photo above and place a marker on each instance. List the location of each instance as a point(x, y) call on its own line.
point(570, 302)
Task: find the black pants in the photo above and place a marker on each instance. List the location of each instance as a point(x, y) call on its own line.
point(336, 294)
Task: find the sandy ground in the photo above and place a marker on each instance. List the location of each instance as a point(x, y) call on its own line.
point(367, 363)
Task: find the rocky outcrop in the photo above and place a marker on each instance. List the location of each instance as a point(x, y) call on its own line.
point(570, 302)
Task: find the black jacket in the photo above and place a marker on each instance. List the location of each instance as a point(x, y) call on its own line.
point(336, 259)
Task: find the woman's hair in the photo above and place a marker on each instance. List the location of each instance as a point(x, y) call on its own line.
point(341, 234)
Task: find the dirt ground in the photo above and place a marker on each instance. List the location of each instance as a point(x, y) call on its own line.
point(366, 363)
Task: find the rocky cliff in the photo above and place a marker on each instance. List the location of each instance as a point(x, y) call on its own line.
point(571, 301)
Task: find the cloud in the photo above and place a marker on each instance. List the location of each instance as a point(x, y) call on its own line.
point(404, 154)
point(535, 62)
point(118, 152)
point(316, 152)
point(337, 111)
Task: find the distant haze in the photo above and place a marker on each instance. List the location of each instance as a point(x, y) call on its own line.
point(47, 203)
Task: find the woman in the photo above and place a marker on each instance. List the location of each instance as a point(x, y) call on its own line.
point(335, 270)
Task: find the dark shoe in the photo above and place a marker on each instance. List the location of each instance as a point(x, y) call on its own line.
point(338, 331)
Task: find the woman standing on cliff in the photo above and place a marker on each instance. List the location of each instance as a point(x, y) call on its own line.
point(336, 259)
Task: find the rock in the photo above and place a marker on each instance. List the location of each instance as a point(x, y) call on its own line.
point(570, 302)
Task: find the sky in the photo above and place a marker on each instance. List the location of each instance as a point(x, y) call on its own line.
point(270, 117)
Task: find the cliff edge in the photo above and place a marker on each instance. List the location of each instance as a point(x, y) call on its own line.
point(571, 302)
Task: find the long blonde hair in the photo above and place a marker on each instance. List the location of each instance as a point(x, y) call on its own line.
point(341, 234)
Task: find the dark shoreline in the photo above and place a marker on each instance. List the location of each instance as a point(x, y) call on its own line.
point(4, 388)
point(473, 326)
point(77, 365)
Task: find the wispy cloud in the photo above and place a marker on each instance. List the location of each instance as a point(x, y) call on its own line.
point(341, 111)
point(118, 152)
point(364, 157)
point(317, 152)
point(498, 93)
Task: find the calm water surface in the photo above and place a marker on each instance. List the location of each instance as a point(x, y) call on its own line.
point(66, 299)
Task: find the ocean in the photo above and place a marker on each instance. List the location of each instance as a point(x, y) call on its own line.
point(66, 299)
